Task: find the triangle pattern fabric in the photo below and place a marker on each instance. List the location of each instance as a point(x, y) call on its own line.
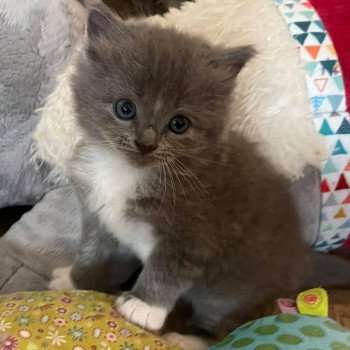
point(344, 127)
point(325, 128)
point(339, 149)
point(342, 183)
point(329, 167)
point(325, 86)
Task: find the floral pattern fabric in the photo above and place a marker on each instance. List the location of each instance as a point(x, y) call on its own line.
point(77, 320)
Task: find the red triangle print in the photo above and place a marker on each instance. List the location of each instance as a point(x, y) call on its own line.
point(321, 83)
point(347, 242)
point(346, 200)
point(324, 186)
point(342, 184)
point(306, 4)
point(313, 50)
point(347, 167)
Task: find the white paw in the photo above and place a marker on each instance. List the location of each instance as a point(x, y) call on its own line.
point(186, 342)
point(61, 279)
point(144, 315)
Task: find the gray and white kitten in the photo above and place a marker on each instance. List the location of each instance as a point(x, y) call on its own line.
point(209, 218)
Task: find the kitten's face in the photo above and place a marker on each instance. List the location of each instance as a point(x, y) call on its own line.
point(152, 94)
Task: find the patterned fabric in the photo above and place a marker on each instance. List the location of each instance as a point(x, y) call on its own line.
point(69, 321)
point(328, 103)
point(288, 332)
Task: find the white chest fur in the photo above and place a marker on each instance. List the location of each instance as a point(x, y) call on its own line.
point(114, 182)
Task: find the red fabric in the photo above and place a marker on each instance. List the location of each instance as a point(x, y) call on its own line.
point(335, 15)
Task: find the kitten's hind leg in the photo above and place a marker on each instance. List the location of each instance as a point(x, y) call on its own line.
point(187, 342)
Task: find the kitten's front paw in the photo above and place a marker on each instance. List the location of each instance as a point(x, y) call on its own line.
point(61, 279)
point(144, 315)
point(186, 342)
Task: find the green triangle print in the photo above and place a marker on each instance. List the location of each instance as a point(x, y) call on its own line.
point(325, 129)
point(304, 26)
point(289, 14)
point(339, 149)
point(311, 66)
point(335, 101)
point(328, 65)
point(307, 14)
point(328, 228)
point(319, 36)
point(329, 168)
point(339, 82)
point(301, 39)
point(344, 127)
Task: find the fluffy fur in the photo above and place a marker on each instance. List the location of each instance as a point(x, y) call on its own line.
point(272, 106)
point(188, 205)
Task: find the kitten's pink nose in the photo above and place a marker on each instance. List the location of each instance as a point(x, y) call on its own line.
point(143, 148)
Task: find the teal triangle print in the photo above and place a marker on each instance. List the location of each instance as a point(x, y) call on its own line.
point(339, 82)
point(311, 66)
point(346, 224)
point(325, 128)
point(335, 101)
point(328, 65)
point(321, 246)
point(319, 36)
point(339, 149)
point(344, 127)
point(289, 14)
point(320, 24)
point(301, 39)
point(307, 14)
point(329, 168)
point(304, 26)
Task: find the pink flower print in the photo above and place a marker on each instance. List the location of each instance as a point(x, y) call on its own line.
point(24, 308)
point(24, 334)
point(61, 310)
point(10, 304)
point(111, 324)
point(9, 343)
point(7, 313)
point(114, 314)
point(93, 347)
point(112, 338)
point(67, 300)
point(59, 322)
point(18, 297)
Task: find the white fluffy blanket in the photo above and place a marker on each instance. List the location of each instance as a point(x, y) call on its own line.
point(271, 105)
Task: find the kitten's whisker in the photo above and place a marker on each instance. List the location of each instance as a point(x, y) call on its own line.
point(199, 183)
point(172, 183)
point(165, 186)
point(188, 177)
point(177, 176)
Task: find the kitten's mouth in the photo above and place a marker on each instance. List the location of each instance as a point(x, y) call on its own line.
point(140, 159)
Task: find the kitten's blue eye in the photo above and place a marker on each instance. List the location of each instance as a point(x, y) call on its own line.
point(179, 124)
point(125, 109)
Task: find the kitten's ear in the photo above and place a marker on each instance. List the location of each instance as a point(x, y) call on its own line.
point(101, 22)
point(233, 59)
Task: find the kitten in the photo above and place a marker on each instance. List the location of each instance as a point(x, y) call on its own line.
point(208, 217)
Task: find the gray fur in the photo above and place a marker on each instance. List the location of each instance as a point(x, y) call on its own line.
point(31, 57)
point(227, 229)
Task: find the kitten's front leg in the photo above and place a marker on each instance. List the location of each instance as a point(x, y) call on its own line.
point(165, 278)
point(88, 269)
